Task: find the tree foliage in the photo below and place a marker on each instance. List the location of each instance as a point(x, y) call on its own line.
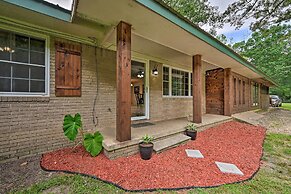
point(269, 50)
point(200, 12)
point(265, 13)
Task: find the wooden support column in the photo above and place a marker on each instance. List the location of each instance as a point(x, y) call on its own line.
point(197, 88)
point(228, 92)
point(123, 79)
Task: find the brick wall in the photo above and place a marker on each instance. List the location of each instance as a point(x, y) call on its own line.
point(33, 125)
point(165, 107)
point(215, 91)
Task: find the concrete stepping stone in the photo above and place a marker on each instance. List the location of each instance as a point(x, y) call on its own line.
point(228, 168)
point(194, 153)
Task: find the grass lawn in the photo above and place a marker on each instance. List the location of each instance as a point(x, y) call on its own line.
point(286, 106)
point(273, 177)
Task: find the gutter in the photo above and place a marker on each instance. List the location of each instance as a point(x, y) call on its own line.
point(43, 7)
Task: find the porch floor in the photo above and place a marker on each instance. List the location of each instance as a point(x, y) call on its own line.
point(158, 130)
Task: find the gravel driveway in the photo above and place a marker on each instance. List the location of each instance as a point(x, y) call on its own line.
point(276, 120)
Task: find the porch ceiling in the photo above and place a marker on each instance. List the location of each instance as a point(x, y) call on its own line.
point(154, 35)
point(14, 16)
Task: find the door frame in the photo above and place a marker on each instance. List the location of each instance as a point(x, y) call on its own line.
point(147, 90)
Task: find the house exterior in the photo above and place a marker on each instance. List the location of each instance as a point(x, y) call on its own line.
point(114, 62)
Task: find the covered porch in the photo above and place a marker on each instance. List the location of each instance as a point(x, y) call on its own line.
point(153, 37)
point(159, 130)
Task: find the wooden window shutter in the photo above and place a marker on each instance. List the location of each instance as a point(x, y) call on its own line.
point(68, 69)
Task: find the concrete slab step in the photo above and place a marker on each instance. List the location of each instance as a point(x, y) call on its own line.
point(170, 142)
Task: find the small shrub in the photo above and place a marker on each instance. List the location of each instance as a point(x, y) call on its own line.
point(191, 127)
point(147, 139)
point(91, 142)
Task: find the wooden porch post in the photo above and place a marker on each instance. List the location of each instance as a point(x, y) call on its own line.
point(228, 92)
point(123, 77)
point(197, 88)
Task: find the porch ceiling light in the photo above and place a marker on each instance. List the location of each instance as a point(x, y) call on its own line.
point(7, 49)
point(140, 74)
point(155, 71)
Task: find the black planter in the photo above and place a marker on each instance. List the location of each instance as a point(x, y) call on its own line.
point(192, 134)
point(146, 150)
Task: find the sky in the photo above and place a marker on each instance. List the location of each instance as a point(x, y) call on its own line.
point(234, 35)
point(229, 31)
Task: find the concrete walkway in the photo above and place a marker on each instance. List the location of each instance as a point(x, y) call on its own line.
point(250, 117)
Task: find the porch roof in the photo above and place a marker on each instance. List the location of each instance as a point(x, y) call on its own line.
point(157, 30)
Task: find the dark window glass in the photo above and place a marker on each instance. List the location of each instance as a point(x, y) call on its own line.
point(37, 58)
point(37, 45)
point(21, 42)
point(166, 82)
point(20, 55)
point(37, 86)
point(239, 91)
point(234, 91)
point(19, 85)
point(4, 46)
point(5, 85)
point(180, 83)
point(37, 73)
point(20, 71)
point(5, 70)
point(16, 49)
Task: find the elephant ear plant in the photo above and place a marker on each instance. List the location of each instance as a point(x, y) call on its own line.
point(91, 142)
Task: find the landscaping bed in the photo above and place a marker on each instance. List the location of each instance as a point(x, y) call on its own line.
point(232, 142)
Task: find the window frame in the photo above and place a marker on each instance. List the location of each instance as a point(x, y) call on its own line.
point(170, 82)
point(255, 94)
point(38, 36)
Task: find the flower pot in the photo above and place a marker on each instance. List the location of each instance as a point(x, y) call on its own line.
point(191, 134)
point(146, 150)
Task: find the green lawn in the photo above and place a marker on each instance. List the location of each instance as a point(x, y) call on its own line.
point(286, 106)
point(273, 177)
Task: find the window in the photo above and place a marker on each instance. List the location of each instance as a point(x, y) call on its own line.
point(255, 93)
point(166, 81)
point(244, 92)
point(22, 64)
point(180, 83)
point(176, 82)
point(191, 84)
point(234, 91)
point(239, 91)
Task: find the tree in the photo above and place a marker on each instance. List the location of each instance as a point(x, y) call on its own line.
point(269, 50)
point(265, 13)
point(200, 12)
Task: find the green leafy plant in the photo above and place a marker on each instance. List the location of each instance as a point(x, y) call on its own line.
point(91, 142)
point(191, 127)
point(147, 139)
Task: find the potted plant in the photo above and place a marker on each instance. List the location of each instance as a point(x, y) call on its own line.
point(191, 130)
point(146, 147)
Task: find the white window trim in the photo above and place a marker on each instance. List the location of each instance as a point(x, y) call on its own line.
point(170, 82)
point(47, 63)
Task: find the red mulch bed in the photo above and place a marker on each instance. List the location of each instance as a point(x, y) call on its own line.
point(231, 142)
